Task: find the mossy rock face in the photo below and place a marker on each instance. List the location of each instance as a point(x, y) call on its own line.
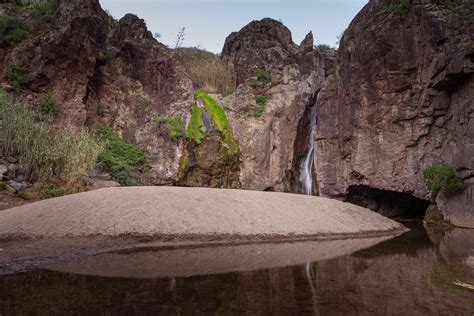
point(436, 225)
point(212, 156)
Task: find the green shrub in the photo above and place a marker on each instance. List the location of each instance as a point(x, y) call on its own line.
point(121, 158)
point(109, 18)
point(262, 78)
point(441, 177)
point(49, 105)
point(15, 76)
point(261, 101)
point(45, 152)
point(173, 123)
point(400, 7)
point(117, 151)
point(12, 29)
point(44, 12)
point(50, 190)
point(324, 47)
point(23, 195)
point(124, 175)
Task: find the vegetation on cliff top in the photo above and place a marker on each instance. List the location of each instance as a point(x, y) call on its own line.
point(207, 71)
point(44, 152)
point(400, 7)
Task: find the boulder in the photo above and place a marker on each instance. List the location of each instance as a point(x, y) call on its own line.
point(97, 184)
point(17, 186)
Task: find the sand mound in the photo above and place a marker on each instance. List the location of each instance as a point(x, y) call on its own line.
point(187, 213)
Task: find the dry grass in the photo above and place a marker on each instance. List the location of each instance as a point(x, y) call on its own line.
point(44, 152)
point(207, 71)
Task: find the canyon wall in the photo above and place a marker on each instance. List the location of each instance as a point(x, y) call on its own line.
point(398, 97)
point(401, 100)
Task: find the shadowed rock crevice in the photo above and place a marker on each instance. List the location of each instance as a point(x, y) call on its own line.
point(387, 203)
point(300, 151)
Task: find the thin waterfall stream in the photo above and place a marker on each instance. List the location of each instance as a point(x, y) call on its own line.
point(306, 178)
point(306, 174)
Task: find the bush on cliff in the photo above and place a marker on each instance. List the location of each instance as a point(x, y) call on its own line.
point(15, 76)
point(44, 11)
point(400, 7)
point(261, 101)
point(44, 152)
point(12, 29)
point(441, 177)
point(121, 159)
point(49, 105)
point(174, 125)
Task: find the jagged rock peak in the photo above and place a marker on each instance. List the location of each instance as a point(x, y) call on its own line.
point(264, 44)
point(307, 43)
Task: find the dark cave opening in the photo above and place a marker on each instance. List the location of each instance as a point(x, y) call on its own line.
point(388, 203)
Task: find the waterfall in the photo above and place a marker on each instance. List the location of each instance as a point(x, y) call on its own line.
point(306, 175)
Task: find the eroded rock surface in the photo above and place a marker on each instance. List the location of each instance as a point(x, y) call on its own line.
point(269, 65)
point(104, 71)
point(401, 100)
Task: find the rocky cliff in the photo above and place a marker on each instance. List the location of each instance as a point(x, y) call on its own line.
point(100, 71)
point(278, 82)
point(396, 99)
point(401, 100)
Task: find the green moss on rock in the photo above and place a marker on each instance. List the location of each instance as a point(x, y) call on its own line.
point(196, 128)
point(220, 119)
point(212, 156)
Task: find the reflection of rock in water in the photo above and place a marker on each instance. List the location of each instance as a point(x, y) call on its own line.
point(151, 263)
point(458, 244)
point(383, 280)
point(392, 285)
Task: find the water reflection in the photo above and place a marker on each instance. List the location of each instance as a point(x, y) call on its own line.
point(407, 275)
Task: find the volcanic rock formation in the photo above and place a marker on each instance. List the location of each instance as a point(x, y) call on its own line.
point(401, 100)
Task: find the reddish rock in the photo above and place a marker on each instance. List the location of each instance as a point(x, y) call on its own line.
point(401, 100)
point(104, 71)
point(272, 144)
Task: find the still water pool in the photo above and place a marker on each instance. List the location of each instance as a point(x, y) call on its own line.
point(412, 274)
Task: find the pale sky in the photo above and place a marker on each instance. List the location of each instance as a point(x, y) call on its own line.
point(209, 22)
